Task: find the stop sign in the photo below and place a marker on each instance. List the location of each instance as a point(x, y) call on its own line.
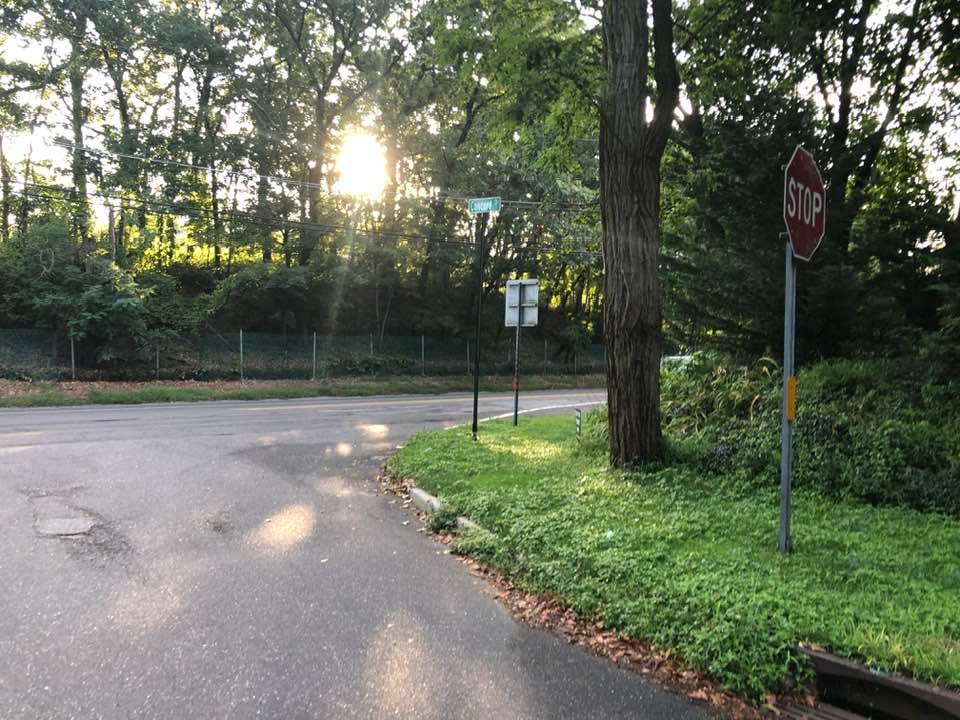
point(804, 204)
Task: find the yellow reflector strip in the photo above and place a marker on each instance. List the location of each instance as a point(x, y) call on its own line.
point(791, 399)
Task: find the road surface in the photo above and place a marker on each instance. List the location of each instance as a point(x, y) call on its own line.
point(234, 560)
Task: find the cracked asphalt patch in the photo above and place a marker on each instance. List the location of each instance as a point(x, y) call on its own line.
point(55, 516)
point(65, 526)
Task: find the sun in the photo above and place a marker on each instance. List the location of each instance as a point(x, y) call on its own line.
point(361, 167)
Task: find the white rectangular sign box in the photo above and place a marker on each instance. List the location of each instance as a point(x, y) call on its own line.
point(529, 291)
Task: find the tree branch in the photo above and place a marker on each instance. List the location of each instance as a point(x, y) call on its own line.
point(665, 72)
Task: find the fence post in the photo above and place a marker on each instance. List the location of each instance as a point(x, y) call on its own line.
point(544, 357)
point(158, 360)
point(371, 343)
point(423, 355)
point(73, 361)
point(314, 355)
point(241, 354)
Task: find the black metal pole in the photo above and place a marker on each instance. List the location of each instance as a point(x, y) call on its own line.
point(516, 359)
point(478, 235)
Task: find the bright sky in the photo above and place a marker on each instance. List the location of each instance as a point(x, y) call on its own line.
point(361, 167)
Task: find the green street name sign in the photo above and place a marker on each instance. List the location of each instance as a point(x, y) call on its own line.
point(483, 205)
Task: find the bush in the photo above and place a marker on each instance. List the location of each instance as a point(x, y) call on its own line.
point(886, 432)
point(370, 365)
point(880, 431)
point(706, 388)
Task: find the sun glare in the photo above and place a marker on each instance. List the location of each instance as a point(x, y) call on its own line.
point(361, 167)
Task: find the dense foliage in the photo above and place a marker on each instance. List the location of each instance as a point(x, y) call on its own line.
point(171, 168)
point(886, 432)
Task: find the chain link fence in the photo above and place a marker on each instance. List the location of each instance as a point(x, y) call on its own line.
point(40, 355)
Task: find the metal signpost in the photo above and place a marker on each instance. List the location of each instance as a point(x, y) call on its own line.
point(476, 206)
point(522, 310)
point(804, 213)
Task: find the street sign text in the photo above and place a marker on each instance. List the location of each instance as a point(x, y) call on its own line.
point(475, 206)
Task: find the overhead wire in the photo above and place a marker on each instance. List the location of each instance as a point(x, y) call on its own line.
point(291, 182)
point(189, 210)
point(176, 208)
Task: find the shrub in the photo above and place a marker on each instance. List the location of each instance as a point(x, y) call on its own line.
point(886, 432)
point(882, 432)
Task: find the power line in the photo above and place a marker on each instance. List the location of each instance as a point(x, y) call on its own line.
point(517, 204)
point(196, 212)
point(188, 166)
point(161, 207)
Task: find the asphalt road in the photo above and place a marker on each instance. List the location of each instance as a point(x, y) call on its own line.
point(239, 563)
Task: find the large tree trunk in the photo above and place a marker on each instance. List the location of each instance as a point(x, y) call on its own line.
point(630, 151)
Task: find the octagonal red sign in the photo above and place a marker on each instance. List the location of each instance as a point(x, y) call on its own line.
point(804, 204)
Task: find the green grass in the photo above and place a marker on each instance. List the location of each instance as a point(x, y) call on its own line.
point(48, 394)
point(42, 398)
point(689, 560)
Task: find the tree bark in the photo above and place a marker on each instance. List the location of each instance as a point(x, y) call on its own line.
point(128, 175)
point(4, 195)
point(631, 147)
point(263, 209)
point(78, 117)
point(23, 207)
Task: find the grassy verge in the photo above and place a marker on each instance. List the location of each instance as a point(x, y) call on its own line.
point(25, 394)
point(689, 562)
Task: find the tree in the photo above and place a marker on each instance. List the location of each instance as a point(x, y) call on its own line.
point(855, 81)
point(632, 143)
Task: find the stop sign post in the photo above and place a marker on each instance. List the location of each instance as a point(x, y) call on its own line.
point(804, 214)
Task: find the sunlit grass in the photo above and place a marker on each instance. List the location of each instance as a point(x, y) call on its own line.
point(690, 561)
